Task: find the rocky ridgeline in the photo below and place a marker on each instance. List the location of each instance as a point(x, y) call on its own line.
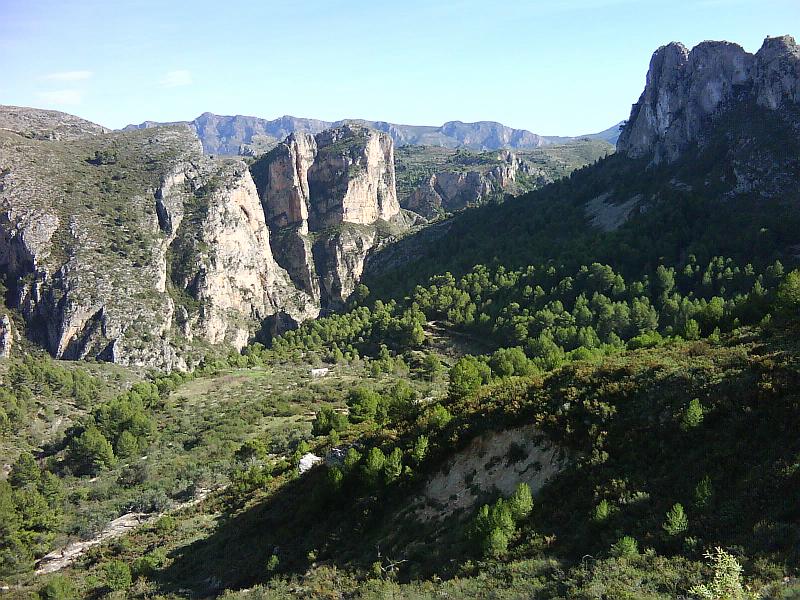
point(252, 136)
point(323, 196)
point(685, 90)
point(134, 247)
point(452, 190)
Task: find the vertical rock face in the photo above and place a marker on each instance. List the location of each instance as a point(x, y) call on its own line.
point(323, 196)
point(777, 78)
point(686, 89)
point(287, 180)
point(234, 276)
point(133, 247)
point(6, 336)
point(447, 191)
point(352, 178)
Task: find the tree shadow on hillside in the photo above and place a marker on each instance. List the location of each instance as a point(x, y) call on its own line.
point(300, 525)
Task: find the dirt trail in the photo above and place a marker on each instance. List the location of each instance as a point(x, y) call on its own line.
point(65, 556)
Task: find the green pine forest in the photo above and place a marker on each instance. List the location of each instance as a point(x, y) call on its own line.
point(657, 366)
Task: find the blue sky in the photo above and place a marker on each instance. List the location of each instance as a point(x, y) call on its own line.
point(554, 67)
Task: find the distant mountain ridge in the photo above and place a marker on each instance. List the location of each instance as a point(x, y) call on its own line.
point(239, 134)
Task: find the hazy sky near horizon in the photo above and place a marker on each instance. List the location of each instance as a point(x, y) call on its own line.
point(556, 67)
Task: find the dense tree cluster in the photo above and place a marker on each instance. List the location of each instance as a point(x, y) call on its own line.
point(541, 316)
point(41, 379)
point(30, 514)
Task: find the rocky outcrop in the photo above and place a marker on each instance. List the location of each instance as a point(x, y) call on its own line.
point(234, 278)
point(352, 178)
point(324, 196)
point(452, 190)
point(46, 124)
point(685, 90)
point(6, 336)
point(340, 261)
point(150, 257)
point(253, 136)
point(231, 135)
point(777, 77)
point(286, 183)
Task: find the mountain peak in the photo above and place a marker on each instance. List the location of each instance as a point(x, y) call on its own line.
point(685, 89)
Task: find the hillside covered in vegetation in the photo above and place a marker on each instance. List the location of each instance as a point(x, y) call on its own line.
point(586, 392)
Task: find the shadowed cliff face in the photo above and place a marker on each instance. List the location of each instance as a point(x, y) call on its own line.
point(133, 247)
point(685, 90)
point(325, 197)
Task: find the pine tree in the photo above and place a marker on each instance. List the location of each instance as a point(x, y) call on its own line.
point(676, 522)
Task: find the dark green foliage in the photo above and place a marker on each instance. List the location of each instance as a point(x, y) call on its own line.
point(15, 555)
point(25, 471)
point(495, 524)
point(41, 380)
point(117, 576)
point(373, 467)
point(432, 367)
point(676, 522)
point(90, 452)
point(626, 546)
point(420, 449)
point(364, 404)
point(788, 296)
point(253, 450)
point(466, 376)
point(703, 492)
point(393, 467)
point(58, 587)
point(327, 420)
point(698, 217)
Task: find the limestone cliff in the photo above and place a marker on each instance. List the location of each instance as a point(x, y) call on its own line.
point(685, 90)
point(133, 247)
point(6, 336)
point(461, 186)
point(324, 197)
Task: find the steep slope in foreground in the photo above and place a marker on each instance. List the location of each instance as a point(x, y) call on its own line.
point(609, 449)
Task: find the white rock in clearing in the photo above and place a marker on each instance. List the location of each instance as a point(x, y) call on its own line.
point(307, 462)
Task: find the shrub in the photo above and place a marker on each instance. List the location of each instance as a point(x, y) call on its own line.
point(254, 449)
point(420, 449)
point(788, 294)
point(58, 587)
point(693, 415)
point(25, 471)
point(439, 416)
point(676, 522)
point(393, 467)
point(602, 511)
point(703, 492)
point(726, 579)
point(624, 547)
point(465, 377)
point(496, 543)
point(521, 502)
point(273, 562)
point(373, 466)
point(91, 452)
point(328, 420)
point(363, 404)
point(117, 575)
